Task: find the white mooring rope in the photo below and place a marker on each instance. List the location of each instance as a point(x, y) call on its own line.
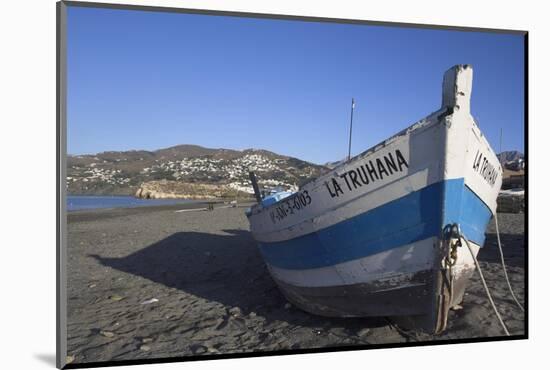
point(504, 266)
point(484, 283)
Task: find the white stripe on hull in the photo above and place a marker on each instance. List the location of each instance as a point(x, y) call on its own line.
point(355, 207)
point(398, 264)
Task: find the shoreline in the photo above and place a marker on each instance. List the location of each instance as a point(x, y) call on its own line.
point(82, 215)
point(168, 203)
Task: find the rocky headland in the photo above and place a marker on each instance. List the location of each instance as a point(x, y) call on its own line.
point(166, 189)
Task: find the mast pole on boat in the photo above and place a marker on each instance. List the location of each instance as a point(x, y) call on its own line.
point(500, 147)
point(351, 127)
point(255, 186)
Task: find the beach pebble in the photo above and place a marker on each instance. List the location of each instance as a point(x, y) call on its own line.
point(252, 314)
point(457, 307)
point(92, 286)
point(149, 301)
point(116, 298)
point(145, 348)
point(363, 332)
point(235, 311)
point(212, 350)
point(197, 349)
point(69, 359)
point(146, 340)
point(108, 334)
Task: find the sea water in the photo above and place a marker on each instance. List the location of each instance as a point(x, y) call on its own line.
point(80, 202)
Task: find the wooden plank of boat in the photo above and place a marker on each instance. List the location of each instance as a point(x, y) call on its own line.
point(366, 239)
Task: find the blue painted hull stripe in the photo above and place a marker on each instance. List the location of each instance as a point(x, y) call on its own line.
point(414, 217)
point(463, 206)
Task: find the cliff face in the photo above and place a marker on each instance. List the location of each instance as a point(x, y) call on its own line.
point(166, 189)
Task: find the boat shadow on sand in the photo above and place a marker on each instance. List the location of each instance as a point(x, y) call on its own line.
point(224, 268)
point(229, 269)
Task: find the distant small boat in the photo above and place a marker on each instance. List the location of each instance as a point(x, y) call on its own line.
point(371, 237)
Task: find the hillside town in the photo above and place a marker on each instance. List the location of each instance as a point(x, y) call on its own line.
point(102, 175)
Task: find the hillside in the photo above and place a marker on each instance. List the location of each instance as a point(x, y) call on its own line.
point(510, 155)
point(124, 172)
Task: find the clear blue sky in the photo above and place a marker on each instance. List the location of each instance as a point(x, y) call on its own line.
point(146, 80)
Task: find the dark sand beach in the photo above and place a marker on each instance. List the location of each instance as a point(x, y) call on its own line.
point(152, 283)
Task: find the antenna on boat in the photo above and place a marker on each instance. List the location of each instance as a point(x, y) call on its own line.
point(500, 147)
point(351, 127)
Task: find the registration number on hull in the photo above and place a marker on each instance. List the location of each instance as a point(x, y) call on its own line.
point(290, 206)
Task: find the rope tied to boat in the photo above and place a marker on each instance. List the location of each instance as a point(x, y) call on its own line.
point(504, 266)
point(450, 259)
point(460, 235)
point(452, 255)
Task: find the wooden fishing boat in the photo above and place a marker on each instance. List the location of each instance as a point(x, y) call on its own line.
point(373, 236)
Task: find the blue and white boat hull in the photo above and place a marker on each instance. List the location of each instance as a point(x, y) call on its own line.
point(366, 239)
